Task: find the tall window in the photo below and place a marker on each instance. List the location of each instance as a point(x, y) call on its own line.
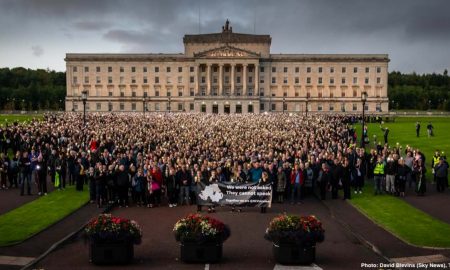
point(320, 69)
point(122, 69)
point(274, 69)
point(86, 69)
point(297, 69)
point(109, 69)
point(133, 69)
point(344, 69)
point(97, 69)
point(308, 70)
point(355, 70)
point(144, 69)
point(285, 69)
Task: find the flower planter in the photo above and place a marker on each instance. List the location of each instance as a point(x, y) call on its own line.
point(294, 254)
point(201, 252)
point(111, 252)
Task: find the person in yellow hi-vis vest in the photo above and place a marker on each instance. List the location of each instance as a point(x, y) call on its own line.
point(434, 163)
point(378, 175)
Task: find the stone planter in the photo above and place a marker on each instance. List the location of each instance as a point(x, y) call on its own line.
point(201, 252)
point(111, 252)
point(294, 254)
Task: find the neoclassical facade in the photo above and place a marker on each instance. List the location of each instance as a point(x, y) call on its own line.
point(228, 72)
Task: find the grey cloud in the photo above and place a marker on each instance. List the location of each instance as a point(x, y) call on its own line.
point(91, 25)
point(37, 50)
point(400, 27)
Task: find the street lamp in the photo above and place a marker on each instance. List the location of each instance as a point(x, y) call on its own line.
point(170, 106)
point(144, 100)
point(84, 94)
point(429, 104)
point(284, 102)
point(307, 99)
point(60, 104)
point(363, 99)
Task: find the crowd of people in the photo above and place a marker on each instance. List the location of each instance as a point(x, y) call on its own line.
point(153, 158)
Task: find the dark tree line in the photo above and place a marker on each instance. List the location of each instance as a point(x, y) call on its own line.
point(419, 92)
point(27, 89)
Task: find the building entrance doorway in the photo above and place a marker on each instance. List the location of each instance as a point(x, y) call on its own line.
point(226, 109)
point(215, 108)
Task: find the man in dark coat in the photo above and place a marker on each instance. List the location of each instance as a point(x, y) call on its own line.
point(123, 183)
point(336, 179)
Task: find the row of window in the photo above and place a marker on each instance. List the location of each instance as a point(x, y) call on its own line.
point(238, 107)
point(250, 92)
point(226, 80)
point(227, 69)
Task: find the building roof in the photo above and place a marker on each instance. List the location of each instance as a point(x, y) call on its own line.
point(227, 36)
point(330, 57)
point(125, 57)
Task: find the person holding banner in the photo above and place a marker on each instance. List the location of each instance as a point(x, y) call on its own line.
point(199, 180)
point(213, 179)
point(238, 177)
point(264, 181)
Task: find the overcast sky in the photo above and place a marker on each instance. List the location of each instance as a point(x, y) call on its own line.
point(38, 33)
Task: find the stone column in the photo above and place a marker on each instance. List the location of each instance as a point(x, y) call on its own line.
point(232, 90)
point(197, 79)
point(256, 84)
point(244, 80)
point(208, 79)
point(220, 79)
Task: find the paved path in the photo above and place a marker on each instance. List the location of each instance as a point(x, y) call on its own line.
point(11, 199)
point(389, 245)
point(245, 249)
point(434, 203)
point(40, 243)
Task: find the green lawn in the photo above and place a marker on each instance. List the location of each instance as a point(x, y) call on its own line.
point(403, 131)
point(10, 118)
point(33, 217)
point(403, 220)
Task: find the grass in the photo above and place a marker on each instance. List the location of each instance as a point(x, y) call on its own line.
point(33, 217)
point(403, 131)
point(403, 220)
point(11, 118)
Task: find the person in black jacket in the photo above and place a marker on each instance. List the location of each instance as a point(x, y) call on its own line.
point(402, 172)
point(346, 175)
point(173, 188)
point(123, 183)
point(184, 177)
point(336, 179)
point(41, 176)
point(25, 173)
point(323, 180)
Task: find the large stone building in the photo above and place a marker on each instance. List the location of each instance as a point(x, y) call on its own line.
point(227, 73)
